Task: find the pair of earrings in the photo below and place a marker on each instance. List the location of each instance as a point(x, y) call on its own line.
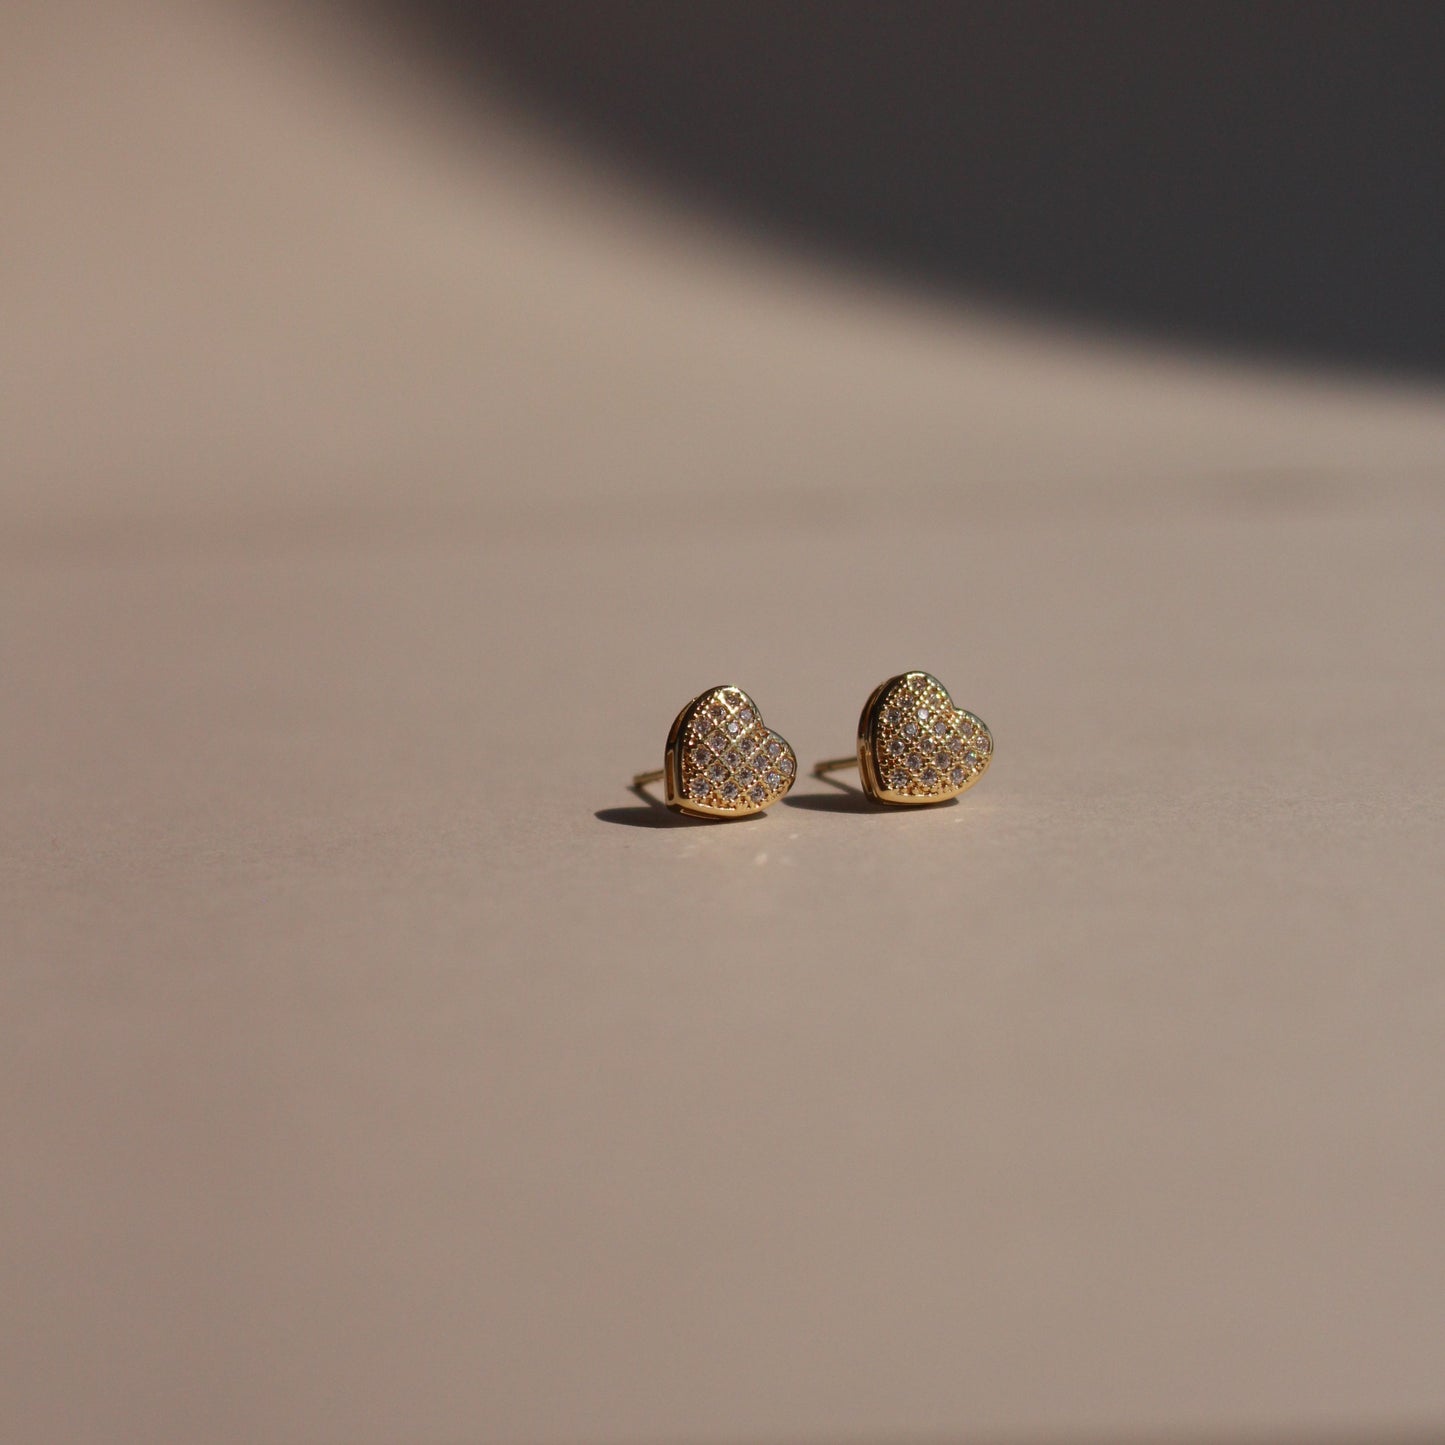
point(914, 746)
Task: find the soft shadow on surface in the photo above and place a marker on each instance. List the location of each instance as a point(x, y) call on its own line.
point(850, 802)
point(658, 815)
point(845, 798)
point(1263, 177)
point(848, 798)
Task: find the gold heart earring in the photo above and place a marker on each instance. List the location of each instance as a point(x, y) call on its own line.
point(914, 745)
point(721, 762)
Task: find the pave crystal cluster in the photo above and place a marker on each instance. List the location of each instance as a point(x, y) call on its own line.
point(926, 749)
point(727, 760)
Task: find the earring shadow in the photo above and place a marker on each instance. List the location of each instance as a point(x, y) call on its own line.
point(656, 814)
point(847, 799)
point(850, 802)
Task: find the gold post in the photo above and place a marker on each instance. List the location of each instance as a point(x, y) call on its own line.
point(642, 779)
point(834, 765)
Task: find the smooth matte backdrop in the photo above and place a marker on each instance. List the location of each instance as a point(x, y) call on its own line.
point(378, 476)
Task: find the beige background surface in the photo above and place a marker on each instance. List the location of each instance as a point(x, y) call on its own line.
point(377, 483)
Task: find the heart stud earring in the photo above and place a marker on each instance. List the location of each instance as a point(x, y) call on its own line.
point(721, 762)
point(914, 745)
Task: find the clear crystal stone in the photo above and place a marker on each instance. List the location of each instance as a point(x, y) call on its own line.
point(941, 759)
point(717, 772)
point(717, 741)
point(923, 714)
point(748, 745)
point(956, 744)
point(787, 766)
point(911, 730)
point(896, 747)
point(929, 776)
point(970, 759)
point(717, 712)
point(733, 728)
point(745, 717)
point(898, 781)
point(746, 777)
point(773, 780)
point(697, 788)
point(733, 759)
point(940, 728)
point(757, 795)
point(893, 716)
point(730, 789)
point(914, 762)
point(774, 748)
point(733, 698)
point(957, 775)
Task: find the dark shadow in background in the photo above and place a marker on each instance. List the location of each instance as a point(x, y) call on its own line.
point(1264, 177)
